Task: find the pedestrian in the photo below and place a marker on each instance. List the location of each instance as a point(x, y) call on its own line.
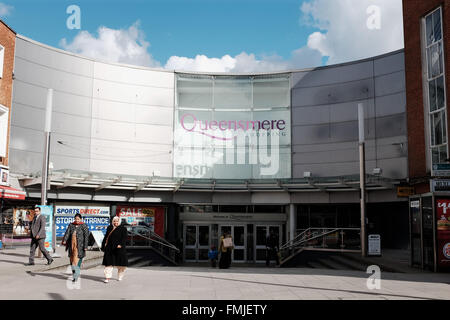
point(225, 249)
point(114, 247)
point(38, 234)
point(212, 255)
point(76, 240)
point(272, 248)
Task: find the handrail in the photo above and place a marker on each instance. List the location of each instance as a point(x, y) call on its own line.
point(153, 234)
point(309, 235)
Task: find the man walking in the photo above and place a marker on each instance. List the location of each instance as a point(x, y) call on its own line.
point(272, 248)
point(38, 237)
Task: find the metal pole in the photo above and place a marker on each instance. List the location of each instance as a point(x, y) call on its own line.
point(47, 130)
point(362, 178)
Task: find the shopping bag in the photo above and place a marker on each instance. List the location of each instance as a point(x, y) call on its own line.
point(227, 243)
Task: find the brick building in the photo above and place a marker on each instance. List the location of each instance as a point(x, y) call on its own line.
point(7, 49)
point(427, 61)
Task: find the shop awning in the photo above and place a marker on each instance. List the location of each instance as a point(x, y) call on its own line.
point(11, 193)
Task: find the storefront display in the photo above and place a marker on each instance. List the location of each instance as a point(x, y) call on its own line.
point(443, 232)
point(152, 217)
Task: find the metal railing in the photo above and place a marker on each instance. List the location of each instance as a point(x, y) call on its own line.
point(332, 239)
point(142, 236)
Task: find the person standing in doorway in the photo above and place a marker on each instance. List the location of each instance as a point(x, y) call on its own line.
point(37, 233)
point(272, 248)
point(225, 249)
point(76, 240)
point(114, 247)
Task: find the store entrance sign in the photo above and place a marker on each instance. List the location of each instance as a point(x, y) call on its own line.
point(440, 185)
point(441, 170)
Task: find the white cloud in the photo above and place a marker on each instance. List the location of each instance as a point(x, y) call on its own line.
point(122, 46)
point(345, 35)
point(5, 10)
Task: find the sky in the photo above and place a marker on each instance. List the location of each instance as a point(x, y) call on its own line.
point(213, 35)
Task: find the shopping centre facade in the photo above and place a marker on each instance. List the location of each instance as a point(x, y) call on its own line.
point(194, 154)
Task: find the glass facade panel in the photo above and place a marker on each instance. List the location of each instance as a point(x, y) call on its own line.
point(437, 34)
point(240, 129)
point(191, 235)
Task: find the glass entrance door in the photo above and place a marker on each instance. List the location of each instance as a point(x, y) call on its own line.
point(196, 242)
point(262, 232)
point(239, 234)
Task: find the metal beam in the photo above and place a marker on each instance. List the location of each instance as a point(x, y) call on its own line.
point(108, 183)
point(71, 182)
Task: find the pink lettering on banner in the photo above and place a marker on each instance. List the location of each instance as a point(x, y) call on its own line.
point(190, 123)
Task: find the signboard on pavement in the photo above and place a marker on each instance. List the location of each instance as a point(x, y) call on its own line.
point(374, 245)
point(47, 212)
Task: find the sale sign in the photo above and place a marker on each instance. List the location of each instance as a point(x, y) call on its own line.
point(443, 231)
point(152, 217)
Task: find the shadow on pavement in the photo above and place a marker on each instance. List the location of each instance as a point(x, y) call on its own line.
point(64, 276)
point(56, 296)
point(15, 262)
point(16, 254)
point(317, 288)
point(412, 277)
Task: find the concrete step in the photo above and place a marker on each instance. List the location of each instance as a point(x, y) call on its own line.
point(348, 263)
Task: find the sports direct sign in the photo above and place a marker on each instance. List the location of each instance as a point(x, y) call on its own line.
point(97, 218)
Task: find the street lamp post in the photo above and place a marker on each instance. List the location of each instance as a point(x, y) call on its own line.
point(47, 131)
point(362, 178)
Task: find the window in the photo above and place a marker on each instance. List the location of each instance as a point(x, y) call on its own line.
point(4, 117)
point(434, 85)
point(2, 60)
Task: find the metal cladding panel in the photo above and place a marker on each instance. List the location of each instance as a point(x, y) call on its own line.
point(134, 75)
point(118, 166)
point(109, 118)
point(51, 58)
point(390, 84)
point(389, 64)
point(133, 94)
point(25, 162)
point(325, 118)
point(333, 75)
point(41, 75)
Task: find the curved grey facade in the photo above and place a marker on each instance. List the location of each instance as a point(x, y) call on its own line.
point(119, 119)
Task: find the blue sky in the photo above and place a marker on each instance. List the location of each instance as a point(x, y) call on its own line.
point(258, 34)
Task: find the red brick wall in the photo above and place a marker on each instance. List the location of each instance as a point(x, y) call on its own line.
point(8, 41)
point(413, 12)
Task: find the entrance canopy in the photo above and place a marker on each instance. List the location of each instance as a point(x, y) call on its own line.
point(98, 181)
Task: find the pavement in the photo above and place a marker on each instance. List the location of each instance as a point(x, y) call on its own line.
point(42, 282)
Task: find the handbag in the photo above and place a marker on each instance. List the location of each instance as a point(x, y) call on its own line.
point(227, 242)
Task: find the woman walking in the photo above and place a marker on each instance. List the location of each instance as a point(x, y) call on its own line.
point(225, 249)
point(113, 246)
point(76, 241)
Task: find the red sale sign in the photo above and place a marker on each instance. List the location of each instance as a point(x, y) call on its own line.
point(152, 217)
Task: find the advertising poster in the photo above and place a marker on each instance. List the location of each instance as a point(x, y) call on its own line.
point(97, 218)
point(443, 232)
point(152, 217)
point(22, 218)
point(47, 212)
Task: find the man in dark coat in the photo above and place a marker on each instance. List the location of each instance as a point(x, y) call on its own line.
point(37, 233)
point(272, 248)
point(114, 246)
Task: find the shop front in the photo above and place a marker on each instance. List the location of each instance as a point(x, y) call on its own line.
point(248, 230)
point(430, 231)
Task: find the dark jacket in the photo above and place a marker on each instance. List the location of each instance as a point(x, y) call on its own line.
point(272, 241)
point(37, 227)
point(82, 232)
point(115, 256)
